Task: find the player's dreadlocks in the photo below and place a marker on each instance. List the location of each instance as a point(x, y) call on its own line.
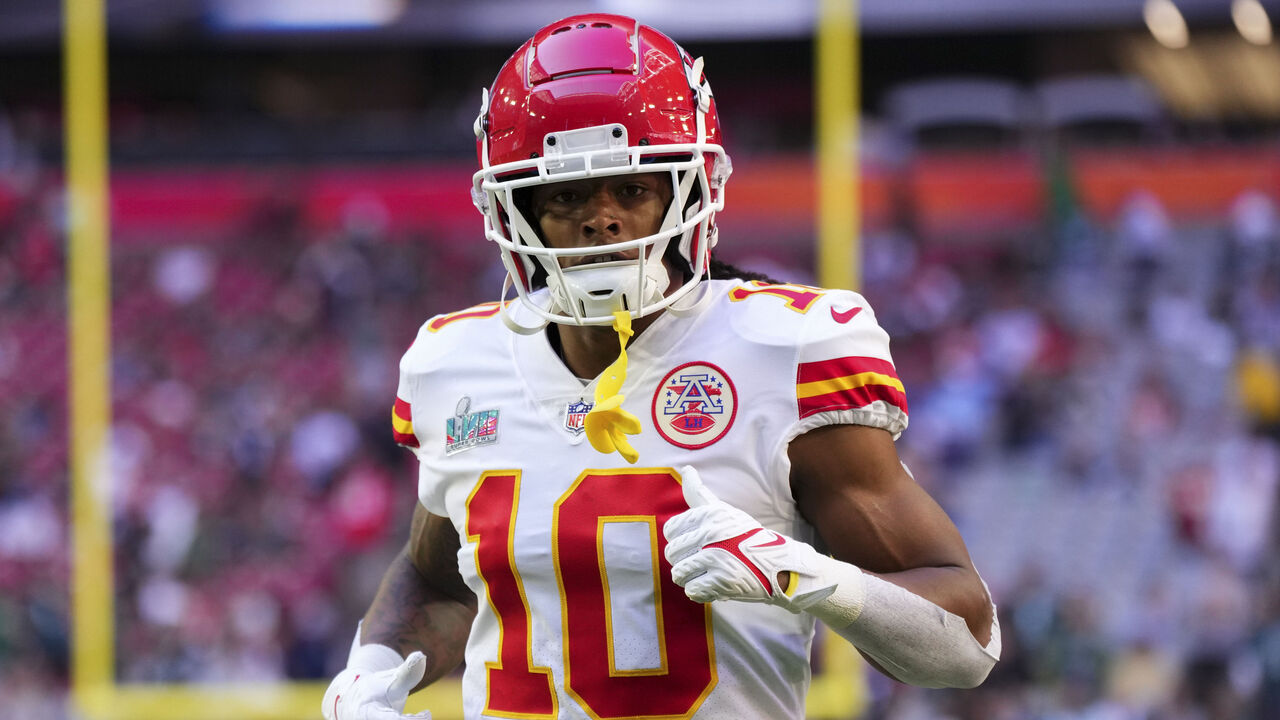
point(721, 270)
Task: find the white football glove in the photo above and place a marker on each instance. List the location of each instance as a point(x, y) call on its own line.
point(374, 686)
point(718, 552)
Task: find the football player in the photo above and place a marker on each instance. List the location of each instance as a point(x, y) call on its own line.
point(645, 476)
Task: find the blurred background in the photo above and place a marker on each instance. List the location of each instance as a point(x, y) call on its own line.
point(1069, 228)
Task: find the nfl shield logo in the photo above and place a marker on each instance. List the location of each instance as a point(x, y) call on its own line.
point(575, 416)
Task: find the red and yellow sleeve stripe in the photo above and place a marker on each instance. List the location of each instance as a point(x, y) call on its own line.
point(847, 383)
point(402, 424)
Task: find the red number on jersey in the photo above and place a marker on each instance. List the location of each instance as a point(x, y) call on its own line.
point(797, 297)
point(483, 310)
point(685, 673)
point(516, 688)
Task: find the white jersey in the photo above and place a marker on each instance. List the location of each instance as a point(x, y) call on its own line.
point(563, 546)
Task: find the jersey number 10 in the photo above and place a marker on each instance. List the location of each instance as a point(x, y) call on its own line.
point(685, 671)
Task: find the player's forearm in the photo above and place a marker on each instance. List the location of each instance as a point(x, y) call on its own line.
point(409, 613)
point(909, 635)
point(955, 589)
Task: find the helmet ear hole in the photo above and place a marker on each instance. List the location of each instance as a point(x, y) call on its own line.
point(522, 202)
point(695, 197)
point(677, 260)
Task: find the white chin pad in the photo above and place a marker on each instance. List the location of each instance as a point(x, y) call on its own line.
point(599, 290)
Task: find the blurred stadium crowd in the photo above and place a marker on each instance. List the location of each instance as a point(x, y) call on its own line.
point(1096, 402)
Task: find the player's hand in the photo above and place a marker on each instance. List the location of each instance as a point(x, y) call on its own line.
point(718, 552)
point(378, 695)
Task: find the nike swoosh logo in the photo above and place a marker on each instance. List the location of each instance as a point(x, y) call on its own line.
point(777, 540)
point(733, 546)
point(844, 316)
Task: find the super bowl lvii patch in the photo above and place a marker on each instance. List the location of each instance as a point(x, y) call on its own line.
point(467, 429)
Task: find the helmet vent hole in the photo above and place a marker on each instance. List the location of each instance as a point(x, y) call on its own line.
point(559, 30)
point(601, 25)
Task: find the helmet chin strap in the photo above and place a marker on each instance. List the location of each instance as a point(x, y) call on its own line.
point(693, 301)
point(505, 312)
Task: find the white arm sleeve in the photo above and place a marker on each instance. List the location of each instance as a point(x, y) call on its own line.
point(913, 639)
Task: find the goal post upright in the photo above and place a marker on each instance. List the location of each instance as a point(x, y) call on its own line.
point(836, 92)
point(840, 691)
point(88, 349)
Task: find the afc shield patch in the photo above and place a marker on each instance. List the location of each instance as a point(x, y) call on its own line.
point(694, 405)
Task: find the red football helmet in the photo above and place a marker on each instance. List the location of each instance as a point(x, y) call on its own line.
point(589, 96)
